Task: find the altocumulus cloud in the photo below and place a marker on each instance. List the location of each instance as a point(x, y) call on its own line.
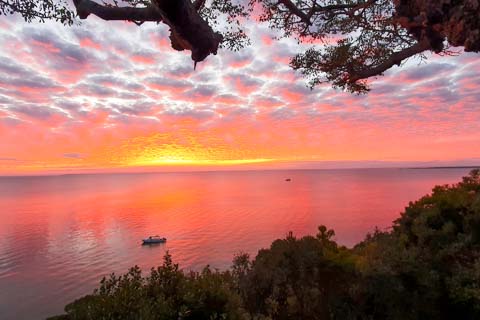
point(95, 88)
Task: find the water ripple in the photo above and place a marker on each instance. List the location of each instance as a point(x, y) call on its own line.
point(60, 235)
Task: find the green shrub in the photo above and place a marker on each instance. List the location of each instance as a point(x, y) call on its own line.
point(426, 267)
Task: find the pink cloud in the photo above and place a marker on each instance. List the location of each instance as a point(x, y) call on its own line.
point(126, 86)
point(89, 43)
point(229, 99)
point(267, 40)
point(244, 85)
point(143, 59)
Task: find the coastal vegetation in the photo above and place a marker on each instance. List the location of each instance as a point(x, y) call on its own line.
point(426, 266)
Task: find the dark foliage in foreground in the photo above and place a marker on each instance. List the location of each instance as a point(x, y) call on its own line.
point(426, 267)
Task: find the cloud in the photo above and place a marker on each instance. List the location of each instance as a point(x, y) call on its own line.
point(73, 155)
point(239, 60)
point(181, 71)
point(92, 89)
point(187, 111)
point(115, 81)
point(9, 121)
point(166, 84)
point(427, 71)
point(244, 84)
point(137, 108)
point(36, 111)
point(229, 99)
point(281, 113)
point(54, 47)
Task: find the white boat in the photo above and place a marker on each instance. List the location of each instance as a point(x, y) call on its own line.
point(154, 239)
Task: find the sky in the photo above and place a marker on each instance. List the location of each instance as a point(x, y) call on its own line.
point(113, 96)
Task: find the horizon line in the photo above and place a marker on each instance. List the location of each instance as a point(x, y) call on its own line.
point(95, 172)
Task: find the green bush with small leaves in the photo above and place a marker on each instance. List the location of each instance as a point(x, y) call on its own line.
point(426, 267)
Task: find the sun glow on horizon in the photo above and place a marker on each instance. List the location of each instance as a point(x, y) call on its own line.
point(170, 161)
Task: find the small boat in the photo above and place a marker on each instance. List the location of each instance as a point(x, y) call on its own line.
point(288, 179)
point(154, 239)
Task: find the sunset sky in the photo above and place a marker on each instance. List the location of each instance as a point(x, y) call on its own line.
point(112, 96)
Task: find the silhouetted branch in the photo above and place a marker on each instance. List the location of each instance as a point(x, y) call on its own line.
point(189, 31)
point(87, 7)
point(395, 59)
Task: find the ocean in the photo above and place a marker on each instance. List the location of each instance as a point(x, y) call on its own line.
point(59, 235)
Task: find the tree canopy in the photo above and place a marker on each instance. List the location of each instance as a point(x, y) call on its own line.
point(362, 38)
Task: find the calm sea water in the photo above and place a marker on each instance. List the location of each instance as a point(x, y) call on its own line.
point(60, 234)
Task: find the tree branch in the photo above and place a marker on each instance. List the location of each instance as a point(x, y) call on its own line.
point(296, 11)
point(198, 4)
point(87, 7)
point(395, 59)
point(189, 31)
point(333, 7)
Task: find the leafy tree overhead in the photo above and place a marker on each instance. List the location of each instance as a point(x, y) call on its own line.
point(371, 35)
point(38, 10)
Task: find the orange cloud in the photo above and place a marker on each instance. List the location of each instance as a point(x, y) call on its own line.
point(71, 103)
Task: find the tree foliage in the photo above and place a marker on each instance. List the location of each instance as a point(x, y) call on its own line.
point(303, 278)
point(362, 38)
point(167, 293)
point(38, 10)
point(426, 267)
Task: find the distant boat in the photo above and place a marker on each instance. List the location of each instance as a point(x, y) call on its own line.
point(154, 239)
point(288, 179)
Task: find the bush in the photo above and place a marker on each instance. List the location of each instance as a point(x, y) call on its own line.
point(426, 267)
